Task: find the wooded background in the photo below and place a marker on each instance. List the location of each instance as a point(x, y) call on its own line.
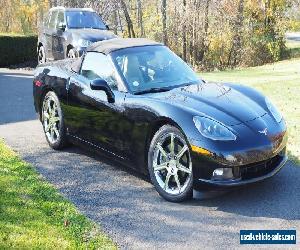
point(208, 34)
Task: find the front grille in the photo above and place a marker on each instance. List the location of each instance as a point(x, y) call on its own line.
point(260, 168)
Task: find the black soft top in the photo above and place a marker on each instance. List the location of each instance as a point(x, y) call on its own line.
point(111, 45)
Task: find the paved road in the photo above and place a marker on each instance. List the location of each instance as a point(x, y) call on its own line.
point(126, 206)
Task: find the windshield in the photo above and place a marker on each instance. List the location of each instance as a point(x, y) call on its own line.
point(84, 19)
point(153, 67)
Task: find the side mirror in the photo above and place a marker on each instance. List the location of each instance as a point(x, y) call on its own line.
point(100, 84)
point(62, 26)
point(107, 27)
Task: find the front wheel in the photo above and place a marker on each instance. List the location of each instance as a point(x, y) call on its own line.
point(170, 164)
point(53, 122)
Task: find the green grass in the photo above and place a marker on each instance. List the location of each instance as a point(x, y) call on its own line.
point(281, 83)
point(33, 215)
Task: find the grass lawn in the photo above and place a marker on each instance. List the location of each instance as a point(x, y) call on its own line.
point(281, 83)
point(33, 215)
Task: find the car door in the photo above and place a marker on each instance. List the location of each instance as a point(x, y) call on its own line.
point(49, 34)
point(43, 29)
point(90, 116)
point(58, 37)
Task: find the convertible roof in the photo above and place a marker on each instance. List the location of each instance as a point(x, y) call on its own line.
point(111, 45)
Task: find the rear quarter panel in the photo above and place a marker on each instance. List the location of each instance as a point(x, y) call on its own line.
point(53, 77)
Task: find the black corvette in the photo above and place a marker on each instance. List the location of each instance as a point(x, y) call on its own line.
point(139, 103)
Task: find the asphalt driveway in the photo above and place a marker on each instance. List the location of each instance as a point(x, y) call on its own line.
point(126, 206)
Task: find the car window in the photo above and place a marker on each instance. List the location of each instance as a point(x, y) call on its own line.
point(148, 67)
point(52, 22)
point(97, 65)
point(84, 19)
point(46, 20)
point(60, 18)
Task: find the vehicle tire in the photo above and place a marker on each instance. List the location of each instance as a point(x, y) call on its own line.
point(41, 55)
point(72, 53)
point(53, 121)
point(170, 164)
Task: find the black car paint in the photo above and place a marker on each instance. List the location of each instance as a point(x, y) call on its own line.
point(125, 127)
point(57, 41)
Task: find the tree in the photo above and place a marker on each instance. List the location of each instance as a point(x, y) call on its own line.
point(184, 42)
point(130, 29)
point(164, 20)
point(140, 17)
point(235, 51)
point(204, 38)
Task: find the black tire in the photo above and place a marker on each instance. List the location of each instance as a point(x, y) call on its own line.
point(59, 141)
point(153, 153)
point(72, 53)
point(41, 55)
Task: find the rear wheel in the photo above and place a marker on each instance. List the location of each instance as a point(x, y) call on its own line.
point(170, 165)
point(41, 55)
point(53, 122)
point(71, 53)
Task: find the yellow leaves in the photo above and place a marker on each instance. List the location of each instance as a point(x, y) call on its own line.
point(28, 11)
point(21, 15)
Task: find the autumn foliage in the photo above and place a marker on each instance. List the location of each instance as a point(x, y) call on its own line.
point(208, 34)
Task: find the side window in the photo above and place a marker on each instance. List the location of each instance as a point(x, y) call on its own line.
point(60, 18)
point(46, 20)
point(97, 65)
point(52, 21)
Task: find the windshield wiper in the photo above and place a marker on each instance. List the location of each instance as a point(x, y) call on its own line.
point(152, 90)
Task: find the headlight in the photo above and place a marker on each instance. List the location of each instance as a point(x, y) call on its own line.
point(212, 129)
point(273, 110)
point(84, 43)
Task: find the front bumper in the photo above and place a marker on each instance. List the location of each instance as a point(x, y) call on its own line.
point(242, 180)
point(204, 166)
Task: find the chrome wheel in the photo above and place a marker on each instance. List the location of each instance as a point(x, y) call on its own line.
point(51, 119)
point(71, 53)
point(172, 164)
point(41, 55)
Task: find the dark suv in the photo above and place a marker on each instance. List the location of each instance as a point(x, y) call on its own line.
point(66, 32)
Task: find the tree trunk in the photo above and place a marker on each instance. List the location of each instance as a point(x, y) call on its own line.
point(120, 21)
point(203, 42)
point(140, 17)
point(131, 32)
point(115, 18)
point(235, 51)
point(184, 32)
point(164, 20)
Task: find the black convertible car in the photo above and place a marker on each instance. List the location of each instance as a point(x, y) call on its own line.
point(138, 102)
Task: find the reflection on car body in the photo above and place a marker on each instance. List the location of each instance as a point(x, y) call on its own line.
point(141, 104)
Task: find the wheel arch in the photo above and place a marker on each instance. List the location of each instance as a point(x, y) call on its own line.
point(69, 47)
point(154, 127)
point(39, 44)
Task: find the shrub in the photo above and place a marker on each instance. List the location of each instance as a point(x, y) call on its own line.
point(16, 49)
point(294, 25)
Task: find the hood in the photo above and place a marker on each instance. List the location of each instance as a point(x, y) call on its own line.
point(93, 35)
point(218, 101)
